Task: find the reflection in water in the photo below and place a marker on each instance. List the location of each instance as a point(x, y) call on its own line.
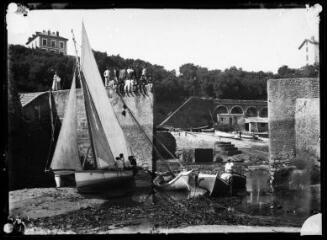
point(282, 202)
point(258, 200)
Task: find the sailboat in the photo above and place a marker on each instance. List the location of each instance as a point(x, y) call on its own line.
point(107, 138)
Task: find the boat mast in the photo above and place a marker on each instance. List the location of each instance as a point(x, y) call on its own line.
point(81, 82)
point(52, 131)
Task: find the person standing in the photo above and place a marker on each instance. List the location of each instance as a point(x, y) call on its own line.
point(106, 77)
point(122, 78)
point(143, 81)
point(127, 87)
point(115, 77)
point(56, 82)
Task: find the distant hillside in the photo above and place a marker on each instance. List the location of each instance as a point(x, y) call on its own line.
point(194, 112)
point(32, 70)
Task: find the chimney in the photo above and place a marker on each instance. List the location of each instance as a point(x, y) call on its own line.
point(49, 32)
point(57, 34)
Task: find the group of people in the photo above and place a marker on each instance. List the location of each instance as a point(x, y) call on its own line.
point(127, 80)
point(121, 164)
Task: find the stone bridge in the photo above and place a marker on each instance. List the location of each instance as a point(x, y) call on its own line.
point(247, 108)
point(247, 115)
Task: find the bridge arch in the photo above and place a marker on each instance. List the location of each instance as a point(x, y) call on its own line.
point(263, 112)
point(221, 109)
point(251, 112)
point(236, 110)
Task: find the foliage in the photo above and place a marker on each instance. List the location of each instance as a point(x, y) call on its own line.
point(33, 69)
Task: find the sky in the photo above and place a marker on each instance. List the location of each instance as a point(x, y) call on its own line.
point(251, 39)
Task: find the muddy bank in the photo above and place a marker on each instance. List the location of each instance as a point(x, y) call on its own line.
point(54, 210)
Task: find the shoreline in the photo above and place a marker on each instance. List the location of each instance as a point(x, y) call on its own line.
point(146, 229)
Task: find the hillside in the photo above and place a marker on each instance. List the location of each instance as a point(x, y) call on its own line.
point(32, 70)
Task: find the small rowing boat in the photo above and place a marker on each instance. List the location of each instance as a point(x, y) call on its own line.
point(180, 182)
point(221, 185)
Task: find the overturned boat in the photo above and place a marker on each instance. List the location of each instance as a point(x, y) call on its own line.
point(221, 185)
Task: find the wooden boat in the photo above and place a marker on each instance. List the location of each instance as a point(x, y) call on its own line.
point(97, 180)
point(217, 186)
point(180, 182)
point(107, 138)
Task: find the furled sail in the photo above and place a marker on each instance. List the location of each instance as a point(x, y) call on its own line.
point(104, 124)
point(66, 156)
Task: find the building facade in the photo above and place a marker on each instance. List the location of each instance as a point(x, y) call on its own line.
point(49, 41)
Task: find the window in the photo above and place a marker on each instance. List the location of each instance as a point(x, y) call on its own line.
point(44, 42)
point(61, 44)
point(53, 43)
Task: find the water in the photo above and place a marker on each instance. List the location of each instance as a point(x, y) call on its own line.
point(259, 200)
point(286, 206)
point(300, 202)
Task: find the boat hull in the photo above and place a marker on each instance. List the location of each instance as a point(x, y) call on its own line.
point(64, 179)
point(217, 186)
point(102, 180)
point(180, 182)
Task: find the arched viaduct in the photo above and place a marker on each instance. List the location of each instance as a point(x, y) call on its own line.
point(248, 115)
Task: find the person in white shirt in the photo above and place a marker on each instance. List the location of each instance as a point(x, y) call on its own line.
point(228, 170)
point(128, 81)
point(56, 82)
point(229, 166)
point(106, 77)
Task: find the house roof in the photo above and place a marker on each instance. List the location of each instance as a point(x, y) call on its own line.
point(26, 98)
point(37, 34)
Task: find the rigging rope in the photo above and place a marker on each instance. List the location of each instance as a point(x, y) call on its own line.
point(147, 137)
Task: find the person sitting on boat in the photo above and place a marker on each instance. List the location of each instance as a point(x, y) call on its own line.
point(132, 161)
point(122, 158)
point(228, 170)
point(229, 166)
point(120, 162)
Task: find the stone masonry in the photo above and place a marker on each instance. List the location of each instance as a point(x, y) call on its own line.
point(293, 112)
point(140, 105)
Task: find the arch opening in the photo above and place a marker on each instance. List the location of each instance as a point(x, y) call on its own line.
point(251, 112)
point(221, 110)
point(236, 110)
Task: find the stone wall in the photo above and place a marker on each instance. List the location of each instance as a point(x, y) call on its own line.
point(141, 107)
point(283, 106)
point(307, 125)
